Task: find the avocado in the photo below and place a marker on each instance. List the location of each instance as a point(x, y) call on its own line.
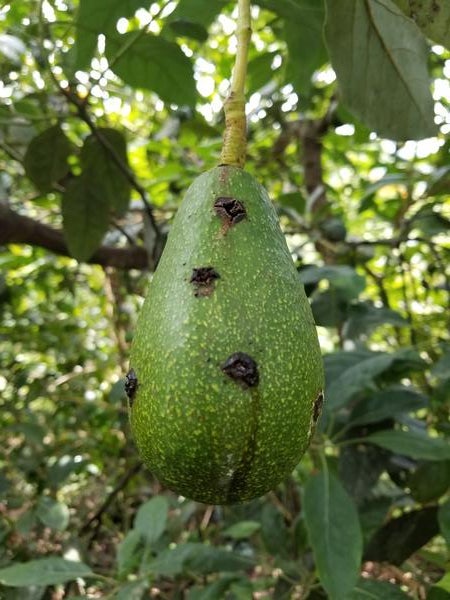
point(226, 380)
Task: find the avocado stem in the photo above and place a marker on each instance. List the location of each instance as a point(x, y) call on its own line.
point(235, 137)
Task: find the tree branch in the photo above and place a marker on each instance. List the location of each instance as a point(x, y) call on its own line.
point(18, 229)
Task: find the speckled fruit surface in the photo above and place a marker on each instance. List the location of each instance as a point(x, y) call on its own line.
point(227, 375)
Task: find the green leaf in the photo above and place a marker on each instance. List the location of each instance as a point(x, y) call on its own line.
point(202, 12)
point(195, 31)
point(104, 171)
point(355, 377)
point(46, 157)
point(274, 531)
point(444, 521)
point(153, 63)
point(151, 518)
point(132, 591)
point(259, 72)
point(98, 17)
point(387, 404)
point(53, 514)
point(305, 43)
point(127, 551)
point(432, 16)
point(242, 530)
point(365, 317)
point(334, 533)
point(342, 277)
point(43, 571)
point(369, 589)
point(85, 213)
point(380, 59)
point(197, 558)
point(430, 481)
point(411, 443)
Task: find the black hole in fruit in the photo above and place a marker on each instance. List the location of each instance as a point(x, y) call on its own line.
point(242, 368)
point(203, 279)
point(131, 385)
point(317, 408)
point(230, 210)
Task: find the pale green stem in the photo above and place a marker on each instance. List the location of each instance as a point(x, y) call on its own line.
point(235, 137)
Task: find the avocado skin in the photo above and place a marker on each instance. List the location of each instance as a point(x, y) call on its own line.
point(206, 435)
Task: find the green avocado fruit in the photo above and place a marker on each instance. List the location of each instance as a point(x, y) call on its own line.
point(226, 379)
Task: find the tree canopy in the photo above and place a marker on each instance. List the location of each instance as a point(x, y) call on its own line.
point(108, 111)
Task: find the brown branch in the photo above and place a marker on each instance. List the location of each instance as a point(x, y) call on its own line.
point(19, 229)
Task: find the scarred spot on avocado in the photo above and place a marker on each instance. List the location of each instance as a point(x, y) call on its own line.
point(230, 210)
point(317, 407)
point(242, 368)
point(203, 279)
point(131, 385)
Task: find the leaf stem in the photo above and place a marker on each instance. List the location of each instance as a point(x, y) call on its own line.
point(235, 137)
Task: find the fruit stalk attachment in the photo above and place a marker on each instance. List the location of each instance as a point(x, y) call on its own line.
point(235, 137)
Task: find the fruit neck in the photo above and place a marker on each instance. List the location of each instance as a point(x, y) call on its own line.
point(235, 137)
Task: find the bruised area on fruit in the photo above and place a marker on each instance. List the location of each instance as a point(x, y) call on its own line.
point(225, 349)
point(203, 280)
point(242, 368)
point(317, 407)
point(230, 210)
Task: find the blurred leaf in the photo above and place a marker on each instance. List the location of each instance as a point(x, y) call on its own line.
point(430, 222)
point(260, 73)
point(103, 172)
point(439, 182)
point(444, 521)
point(441, 369)
point(153, 63)
point(12, 48)
point(380, 59)
point(329, 308)
point(274, 532)
point(95, 18)
point(430, 481)
point(303, 33)
point(132, 591)
point(214, 590)
point(364, 317)
point(342, 277)
point(399, 538)
point(293, 200)
point(202, 12)
point(432, 16)
point(197, 558)
point(53, 514)
point(46, 158)
point(183, 27)
point(412, 443)
point(354, 375)
point(360, 469)
point(44, 571)
point(372, 514)
point(127, 551)
point(242, 530)
point(385, 404)
point(332, 523)
point(85, 213)
point(369, 589)
point(151, 518)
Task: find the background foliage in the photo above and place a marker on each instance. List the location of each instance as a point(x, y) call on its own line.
point(108, 111)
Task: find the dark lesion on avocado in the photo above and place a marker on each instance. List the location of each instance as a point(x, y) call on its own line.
point(317, 407)
point(203, 280)
point(131, 385)
point(242, 368)
point(230, 210)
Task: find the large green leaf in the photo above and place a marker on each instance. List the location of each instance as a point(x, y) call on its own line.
point(305, 43)
point(104, 172)
point(129, 551)
point(412, 443)
point(154, 63)
point(369, 589)
point(444, 521)
point(387, 404)
point(193, 17)
point(432, 16)
point(334, 533)
point(95, 17)
point(46, 157)
point(342, 277)
point(380, 58)
point(44, 571)
point(85, 213)
point(151, 518)
point(53, 514)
